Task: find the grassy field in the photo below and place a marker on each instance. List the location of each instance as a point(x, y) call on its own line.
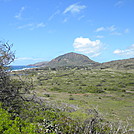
point(79, 92)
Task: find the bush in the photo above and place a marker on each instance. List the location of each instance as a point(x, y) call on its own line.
point(14, 126)
point(55, 89)
point(94, 89)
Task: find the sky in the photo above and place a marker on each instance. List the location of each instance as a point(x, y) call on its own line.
point(41, 30)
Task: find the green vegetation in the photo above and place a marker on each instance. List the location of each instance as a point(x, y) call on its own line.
point(14, 126)
point(66, 100)
point(78, 93)
point(84, 81)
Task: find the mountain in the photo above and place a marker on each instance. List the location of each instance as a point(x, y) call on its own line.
point(75, 59)
point(39, 64)
point(119, 64)
point(71, 59)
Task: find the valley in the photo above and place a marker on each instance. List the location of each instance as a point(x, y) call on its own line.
point(78, 92)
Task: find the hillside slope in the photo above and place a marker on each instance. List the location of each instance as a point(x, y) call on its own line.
point(71, 59)
point(119, 64)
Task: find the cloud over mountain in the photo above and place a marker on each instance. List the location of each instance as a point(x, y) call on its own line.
point(86, 46)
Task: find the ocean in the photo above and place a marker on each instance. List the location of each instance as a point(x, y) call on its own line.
point(15, 68)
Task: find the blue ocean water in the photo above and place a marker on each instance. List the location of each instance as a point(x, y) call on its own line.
point(13, 68)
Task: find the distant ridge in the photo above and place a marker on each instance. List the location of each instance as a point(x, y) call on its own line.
point(71, 59)
point(39, 64)
point(119, 64)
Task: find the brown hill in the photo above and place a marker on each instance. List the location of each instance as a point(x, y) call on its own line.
point(71, 59)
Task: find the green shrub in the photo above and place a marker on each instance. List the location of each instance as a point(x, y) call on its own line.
point(14, 126)
point(97, 91)
point(55, 89)
point(94, 89)
point(112, 88)
point(71, 98)
point(46, 95)
point(123, 90)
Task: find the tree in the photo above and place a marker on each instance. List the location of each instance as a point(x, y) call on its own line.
point(11, 91)
point(6, 57)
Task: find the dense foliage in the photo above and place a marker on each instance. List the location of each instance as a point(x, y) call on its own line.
point(14, 126)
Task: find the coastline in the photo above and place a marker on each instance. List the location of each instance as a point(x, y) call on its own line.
point(21, 68)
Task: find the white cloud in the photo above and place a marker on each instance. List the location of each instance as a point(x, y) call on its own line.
point(19, 15)
point(129, 52)
point(27, 58)
point(108, 29)
point(116, 33)
point(86, 46)
point(100, 36)
point(32, 26)
point(119, 3)
point(111, 28)
point(40, 25)
point(100, 29)
point(23, 58)
point(53, 15)
point(81, 17)
point(74, 8)
point(25, 26)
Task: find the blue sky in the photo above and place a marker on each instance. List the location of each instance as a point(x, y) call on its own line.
point(41, 30)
